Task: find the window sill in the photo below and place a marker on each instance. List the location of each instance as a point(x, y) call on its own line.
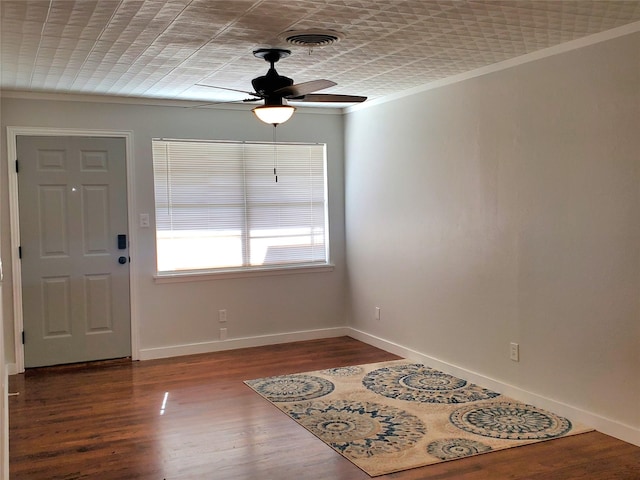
point(203, 276)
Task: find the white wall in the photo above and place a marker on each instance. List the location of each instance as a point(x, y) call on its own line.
point(183, 314)
point(501, 209)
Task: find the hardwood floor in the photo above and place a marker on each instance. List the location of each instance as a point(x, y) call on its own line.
point(193, 418)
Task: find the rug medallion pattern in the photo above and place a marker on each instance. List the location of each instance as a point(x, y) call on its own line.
point(359, 429)
point(391, 416)
point(510, 420)
point(417, 383)
point(343, 371)
point(292, 388)
point(452, 448)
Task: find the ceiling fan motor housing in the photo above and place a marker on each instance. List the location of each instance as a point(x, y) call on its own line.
point(269, 83)
point(272, 81)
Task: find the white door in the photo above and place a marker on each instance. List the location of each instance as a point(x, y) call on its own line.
point(74, 249)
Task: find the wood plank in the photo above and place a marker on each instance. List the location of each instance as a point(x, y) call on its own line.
point(106, 421)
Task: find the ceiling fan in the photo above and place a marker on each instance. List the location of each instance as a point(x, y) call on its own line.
point(276, 89)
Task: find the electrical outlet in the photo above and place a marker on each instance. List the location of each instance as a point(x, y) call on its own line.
point(222, 316)
point(377, 313)
point(223, 334)
point(514, 352)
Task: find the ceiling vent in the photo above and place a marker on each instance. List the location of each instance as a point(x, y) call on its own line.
point(311, 38)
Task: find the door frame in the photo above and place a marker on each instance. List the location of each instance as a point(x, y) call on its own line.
point(14, 215)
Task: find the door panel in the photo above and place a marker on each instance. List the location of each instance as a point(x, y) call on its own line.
point(98, 299)
point(52, 210)
point(95, 199)
point(73, 206)
point(56, 306)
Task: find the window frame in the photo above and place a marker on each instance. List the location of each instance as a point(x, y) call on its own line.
point(203, 274)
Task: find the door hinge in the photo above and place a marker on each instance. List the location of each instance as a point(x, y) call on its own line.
point(20, 252)
point(23, 337)
point(17, 166)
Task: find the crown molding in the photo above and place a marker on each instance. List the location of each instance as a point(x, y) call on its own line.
point(147, 101)
point(512, 62)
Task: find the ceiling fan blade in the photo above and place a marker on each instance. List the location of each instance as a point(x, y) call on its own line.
point(303, 88)
point(229, 89)
point(327, 97)
point(212, 104)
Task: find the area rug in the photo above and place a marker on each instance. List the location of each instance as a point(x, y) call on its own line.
point(392, 416)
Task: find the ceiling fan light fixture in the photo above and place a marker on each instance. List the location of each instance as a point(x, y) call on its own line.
point(274, 114)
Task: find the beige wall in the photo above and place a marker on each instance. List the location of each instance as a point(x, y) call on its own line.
point(501, 209)
point(186, 314)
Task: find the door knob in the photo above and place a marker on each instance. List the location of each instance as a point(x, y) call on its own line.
point(122, 260)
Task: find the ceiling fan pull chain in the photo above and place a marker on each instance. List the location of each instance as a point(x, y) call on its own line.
point(275, 153)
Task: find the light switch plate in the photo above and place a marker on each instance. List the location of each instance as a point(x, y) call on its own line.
point(144, 220)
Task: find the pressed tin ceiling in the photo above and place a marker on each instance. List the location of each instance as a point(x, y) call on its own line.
point(163, 48)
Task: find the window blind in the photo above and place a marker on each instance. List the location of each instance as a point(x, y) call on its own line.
point(219, 206)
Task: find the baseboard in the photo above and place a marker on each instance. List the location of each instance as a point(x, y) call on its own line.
point(12, 369)
point(605, 425)
point(244, 342)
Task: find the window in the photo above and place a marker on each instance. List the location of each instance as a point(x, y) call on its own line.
point(220, 205)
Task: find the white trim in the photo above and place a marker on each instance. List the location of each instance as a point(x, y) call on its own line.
point(243, 342)
point(320, 109)
point(16, 270)
point(203, 276)
point(133, 244)
point(12, 133)
point(605, 425)
point(12, 369)
point(505, 64)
